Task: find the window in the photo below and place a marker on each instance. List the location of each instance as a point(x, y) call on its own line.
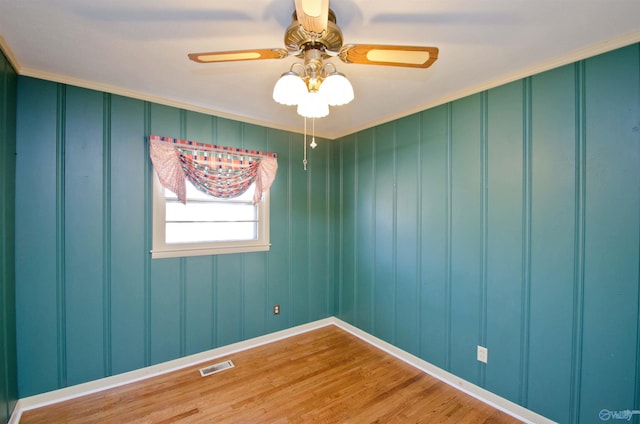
point(207, 225)
point(209, 199)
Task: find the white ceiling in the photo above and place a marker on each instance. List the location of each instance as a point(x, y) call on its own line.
point(139, 48)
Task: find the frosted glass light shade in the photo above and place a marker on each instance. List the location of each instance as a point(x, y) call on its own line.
point(289, 89)
point(313, 105)
point(337, 88)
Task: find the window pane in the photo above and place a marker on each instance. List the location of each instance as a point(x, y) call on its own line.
point(207, 225)
point(214, 211)
point(208, 219)
point(195, 194)
point(205, 232)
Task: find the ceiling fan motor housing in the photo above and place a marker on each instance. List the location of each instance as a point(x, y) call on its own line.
point(297, 38)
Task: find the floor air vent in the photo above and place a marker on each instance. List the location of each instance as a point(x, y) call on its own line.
point(212, 369)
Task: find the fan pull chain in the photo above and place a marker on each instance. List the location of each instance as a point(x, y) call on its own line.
point(313, 144)
point(304, 159)
point(313, 136)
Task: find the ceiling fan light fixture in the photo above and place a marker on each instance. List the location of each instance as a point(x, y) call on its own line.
point(289, 89)
point(337, 89)
point(313, 105)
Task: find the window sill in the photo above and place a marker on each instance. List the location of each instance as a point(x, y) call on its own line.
point(181, 251)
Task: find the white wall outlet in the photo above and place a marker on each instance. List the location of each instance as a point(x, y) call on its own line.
point(483, 354)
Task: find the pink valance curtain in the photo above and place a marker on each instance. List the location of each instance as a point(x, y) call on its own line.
point(223, 172)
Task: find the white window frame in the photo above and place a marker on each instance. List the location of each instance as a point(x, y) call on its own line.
point(160, 249)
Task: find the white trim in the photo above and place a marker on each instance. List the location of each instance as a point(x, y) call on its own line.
point(584, 53)
point(477, 392)
point(17, 413)
point(4, 48)
point(160, 249)
point(139, 95)
point(60, 395)
point(504, 405)
point(566, 59)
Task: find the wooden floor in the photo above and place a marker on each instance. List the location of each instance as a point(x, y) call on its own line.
point(323, 376)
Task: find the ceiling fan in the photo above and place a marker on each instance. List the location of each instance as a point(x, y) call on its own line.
point(315, 36)
point(313, 28)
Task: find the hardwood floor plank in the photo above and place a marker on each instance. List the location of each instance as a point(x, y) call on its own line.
point(323, 376)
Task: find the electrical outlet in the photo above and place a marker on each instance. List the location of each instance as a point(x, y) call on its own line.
point(276, 309)
point(483, 354)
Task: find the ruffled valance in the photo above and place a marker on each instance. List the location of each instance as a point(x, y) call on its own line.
point(223, 172)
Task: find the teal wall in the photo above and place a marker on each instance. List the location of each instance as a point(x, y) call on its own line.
point(8, 363)
point(508, 219)
point(90, 300)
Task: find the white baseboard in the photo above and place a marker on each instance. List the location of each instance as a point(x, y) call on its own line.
point(67, 393)
point(60, 395)
point(508, 407)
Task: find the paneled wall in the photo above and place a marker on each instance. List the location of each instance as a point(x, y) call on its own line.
point(90, 300)
point(8, 362)
point(508, 219)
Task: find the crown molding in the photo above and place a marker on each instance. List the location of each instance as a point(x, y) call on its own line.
point(575, 56)
point(581, 54)
point(4, 48)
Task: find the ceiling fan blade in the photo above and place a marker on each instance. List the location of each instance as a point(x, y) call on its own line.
point(236, 55)
point(375, 54)
point(313, 14)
